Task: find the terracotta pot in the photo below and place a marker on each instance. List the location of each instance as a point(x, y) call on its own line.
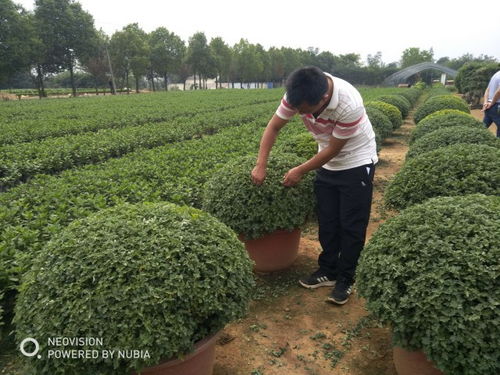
point(274, 251)
point(413, 363)
point(199, 362)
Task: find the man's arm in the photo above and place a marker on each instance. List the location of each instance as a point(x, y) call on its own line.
point(496, 96)
point(294, 175)
point(487, 104)
point(485, 98)
point(266, 143)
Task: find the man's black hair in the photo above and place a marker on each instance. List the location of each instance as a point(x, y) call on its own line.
point(307, 84)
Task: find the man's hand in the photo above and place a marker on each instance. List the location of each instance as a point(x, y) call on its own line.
point(258, 175)
point(486, 106)
point(292, 177)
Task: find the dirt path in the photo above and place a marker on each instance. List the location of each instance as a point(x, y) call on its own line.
point(293, 331)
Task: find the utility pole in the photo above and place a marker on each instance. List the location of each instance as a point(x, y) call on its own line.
point(111, 71)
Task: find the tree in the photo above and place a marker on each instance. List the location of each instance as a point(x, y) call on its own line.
point(414, 55)
point(130, 53)
point(16, 44)
point(222, 59)
point(96, 62)
point(375, 61)
point(458, 62)
point(249, 62)
point(198, 56)
point(67, 32)
point(167, 51)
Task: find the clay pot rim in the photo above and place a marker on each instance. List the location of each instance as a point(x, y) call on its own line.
point(243, 236)
point(199, 346)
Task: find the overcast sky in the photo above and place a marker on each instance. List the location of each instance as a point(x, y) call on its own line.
point(451, 28)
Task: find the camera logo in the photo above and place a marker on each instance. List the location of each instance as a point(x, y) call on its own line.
point(28, 341)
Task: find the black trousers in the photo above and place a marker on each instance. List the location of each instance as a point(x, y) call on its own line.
point(343, 206)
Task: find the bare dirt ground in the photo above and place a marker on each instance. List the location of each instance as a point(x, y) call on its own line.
point(291, 330)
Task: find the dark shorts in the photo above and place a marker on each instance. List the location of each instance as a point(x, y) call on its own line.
point(492, 114)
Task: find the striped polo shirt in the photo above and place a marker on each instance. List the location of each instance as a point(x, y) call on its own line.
point(345, 118)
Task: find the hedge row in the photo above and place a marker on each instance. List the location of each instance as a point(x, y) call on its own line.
point(452, 154)
point(20, 162)
point(427, 271)
point(27, 121)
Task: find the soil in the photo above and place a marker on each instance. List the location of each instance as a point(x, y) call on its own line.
point(292, 330)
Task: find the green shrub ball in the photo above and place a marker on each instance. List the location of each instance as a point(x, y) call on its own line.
point(411, 94)
point(302, 145)
point(444, 119)
point(448, 171)
point(154, 277)
point(439, 102)
point(380, 122)
point(400, 102)
point(391, 111)
point(450, 136)
point(254, 211)
point(430, 272)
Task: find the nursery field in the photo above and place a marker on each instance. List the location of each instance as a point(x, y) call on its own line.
point(65, 164)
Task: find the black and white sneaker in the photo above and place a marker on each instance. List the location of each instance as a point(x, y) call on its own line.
point(341, 292)
point(317, 279)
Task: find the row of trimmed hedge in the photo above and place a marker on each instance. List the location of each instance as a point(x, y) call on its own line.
point(27, 121)
point(20, 162)
point(386, 112)
point(428, 271)
point(450, 154)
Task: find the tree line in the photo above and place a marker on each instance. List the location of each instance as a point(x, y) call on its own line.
point(58, 36)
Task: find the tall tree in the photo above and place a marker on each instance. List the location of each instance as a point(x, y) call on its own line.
point(222, 59)
point(167, 52)
point(249, 62)
point(198, 55)
point(96, 61)
point(67, 32)
point(130, 52)
point(414, 55)
point(16, 39)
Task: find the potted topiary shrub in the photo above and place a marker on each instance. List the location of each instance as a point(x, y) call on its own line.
point(155, 278)
point(269, 217)
point(452, 170)
point(429, 273)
